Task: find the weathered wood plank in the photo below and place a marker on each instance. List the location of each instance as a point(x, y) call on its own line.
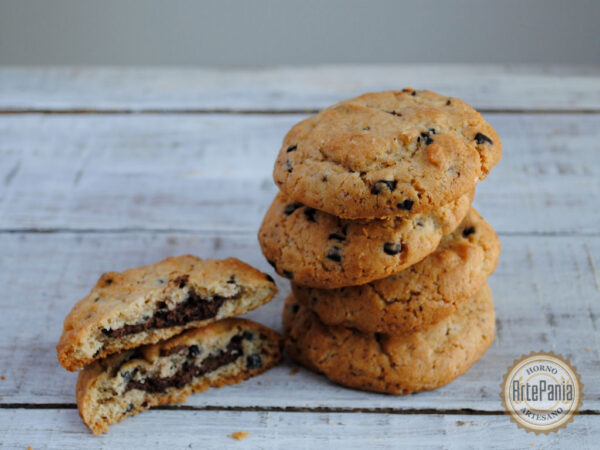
point(293, 88)
point(212, 429)
point(213, 172)
point(546, 289)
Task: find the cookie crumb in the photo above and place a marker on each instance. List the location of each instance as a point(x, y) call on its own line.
point(2, 377)
point(239, 435)
point(29, 447)
point(587, 349)
point(294, 371)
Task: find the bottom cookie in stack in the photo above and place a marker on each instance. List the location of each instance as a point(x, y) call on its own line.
point(400, 364)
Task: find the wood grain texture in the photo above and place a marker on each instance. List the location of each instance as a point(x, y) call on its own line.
point(213, 172)
point(487, 87)
point(546, 294)
point(277, 430)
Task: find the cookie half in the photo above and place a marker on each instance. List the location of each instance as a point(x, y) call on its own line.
point(416, 297)
point(219, 354)
point(150, 303)
point(313, 248)
point(386, 154)
point(392, 364)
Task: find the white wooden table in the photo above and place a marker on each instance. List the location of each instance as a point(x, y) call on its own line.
point(105, 169)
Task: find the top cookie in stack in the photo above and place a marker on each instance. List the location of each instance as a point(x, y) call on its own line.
point(392, 153)
point(369, 186)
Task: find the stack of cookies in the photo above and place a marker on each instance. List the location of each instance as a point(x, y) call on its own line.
point(155, 334)
point(373, 225)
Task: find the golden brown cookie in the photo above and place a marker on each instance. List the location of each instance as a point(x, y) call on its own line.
point(317, 249)
point(386, 154)
point(127, 383)
point(416, 297)
point(150, 303)
point(392, 364)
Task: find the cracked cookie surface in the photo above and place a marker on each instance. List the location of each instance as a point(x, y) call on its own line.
point(403, 364)
point(316, 249)
point(418, 296)
point(385, 154)
point(150, 303)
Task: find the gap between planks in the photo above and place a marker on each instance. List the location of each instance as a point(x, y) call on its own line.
point(225, 111)
point(396, 411)
point(241, 232)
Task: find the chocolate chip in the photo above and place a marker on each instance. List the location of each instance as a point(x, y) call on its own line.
point(468, 231)
point(96, 299)
point(413, 93)
point(337, 236)
point(248, 335)
point(426, 138)
point(109, 281)
point(231, 280)
point(393, 113)
point(289, 209)
point(420, 307)
point(295, 308)
point(288, 164)
point(310, 214)
point(144, 405)
point(181, 280)
point(130, 408)
point(406, 205)
point(270, 278)
point(324, 179)
point(379, 186)
point(254, 361)
point(289, 275)
point(482, 138)
point(161, 305)
point(448, 102)
point(272, 264)
point(334, 254)
point(193, 350)
point(291, 148)
point(392, 248)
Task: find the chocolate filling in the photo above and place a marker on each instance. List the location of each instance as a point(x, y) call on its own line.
point(189, 370)
point(192, 309)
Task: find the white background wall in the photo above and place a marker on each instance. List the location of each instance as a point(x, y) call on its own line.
point(263, 32)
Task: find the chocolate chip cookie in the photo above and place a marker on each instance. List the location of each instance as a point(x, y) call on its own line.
point(416, 297)
point(147, 304)
point(127, 383)
point(385, 154)
point(400, 364)
point(316, 249)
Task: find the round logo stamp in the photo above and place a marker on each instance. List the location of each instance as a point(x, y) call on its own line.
point(542, 392)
